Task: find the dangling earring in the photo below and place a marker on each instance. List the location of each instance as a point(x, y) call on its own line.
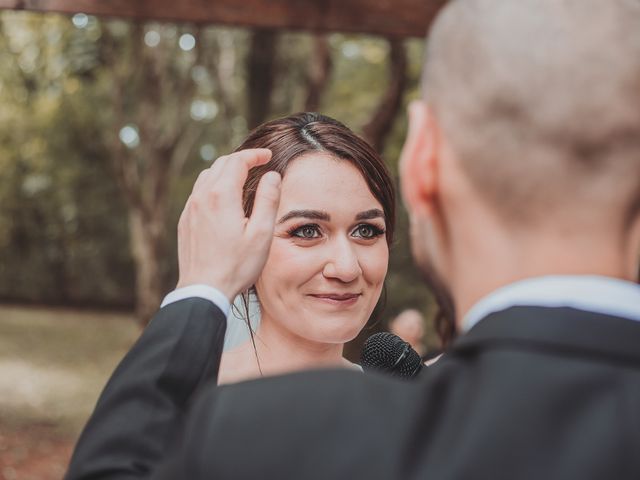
point(243, 320)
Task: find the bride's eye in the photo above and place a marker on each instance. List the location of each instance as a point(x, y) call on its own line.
point(306, 232)
point(367, 231)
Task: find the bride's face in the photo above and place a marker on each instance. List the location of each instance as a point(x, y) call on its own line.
point(329, 255)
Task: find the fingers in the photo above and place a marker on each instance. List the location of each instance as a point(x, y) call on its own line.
point(239, 164)
point(234, 175)
point(265, 207)
point(252, 157)
point(208, 177)
point(234, 168)
point(217, 245)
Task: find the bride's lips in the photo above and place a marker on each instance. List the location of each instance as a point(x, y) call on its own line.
point(343, 299)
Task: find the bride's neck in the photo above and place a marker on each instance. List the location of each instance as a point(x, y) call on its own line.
point(277, 351)
point(280, 350)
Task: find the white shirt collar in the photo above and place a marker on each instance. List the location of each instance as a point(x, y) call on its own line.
point(604, 295)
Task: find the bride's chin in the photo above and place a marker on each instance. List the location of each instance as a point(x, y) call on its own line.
point(341, 336)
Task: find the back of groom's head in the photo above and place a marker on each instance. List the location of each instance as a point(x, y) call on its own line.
point(540, 102)
point(523, 159)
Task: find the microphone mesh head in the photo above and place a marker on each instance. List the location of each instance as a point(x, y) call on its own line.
point(388, 353)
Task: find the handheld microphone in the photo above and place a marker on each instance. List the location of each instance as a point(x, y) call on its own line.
point(388, 353)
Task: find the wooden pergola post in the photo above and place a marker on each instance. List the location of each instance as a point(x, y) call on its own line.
point(389, 18)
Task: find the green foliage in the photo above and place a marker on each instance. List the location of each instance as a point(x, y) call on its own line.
point(62, 232)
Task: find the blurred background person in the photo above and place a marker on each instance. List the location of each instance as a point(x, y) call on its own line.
point(409, 326)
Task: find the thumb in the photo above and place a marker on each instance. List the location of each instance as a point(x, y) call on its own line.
point(265, 206)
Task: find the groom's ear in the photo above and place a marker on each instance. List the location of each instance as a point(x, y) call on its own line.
point(419, 161)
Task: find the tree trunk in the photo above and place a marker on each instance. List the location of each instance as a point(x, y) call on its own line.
point(147, 247)
point(320, 68)
point(379, 126)
point(261, 73)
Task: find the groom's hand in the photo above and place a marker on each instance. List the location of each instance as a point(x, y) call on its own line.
point(217, 245)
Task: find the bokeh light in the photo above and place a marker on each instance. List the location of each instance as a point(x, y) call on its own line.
point(208, 152)
point(152, 38)
point(187, 42)
point(129, 136)
point(80, 20)
point(204, 110)
point(350, 49)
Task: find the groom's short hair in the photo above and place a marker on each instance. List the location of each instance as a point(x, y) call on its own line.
point(540, 102)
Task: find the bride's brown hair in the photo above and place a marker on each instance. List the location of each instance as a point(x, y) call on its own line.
point(291, 137)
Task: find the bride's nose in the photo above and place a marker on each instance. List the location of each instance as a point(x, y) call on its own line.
point(342, 262)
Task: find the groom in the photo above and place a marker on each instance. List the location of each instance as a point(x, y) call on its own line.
point(521, 175)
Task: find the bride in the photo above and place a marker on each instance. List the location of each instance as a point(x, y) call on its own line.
point(328, 259)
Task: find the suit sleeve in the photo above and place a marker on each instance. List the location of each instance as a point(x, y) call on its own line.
point(143, 403)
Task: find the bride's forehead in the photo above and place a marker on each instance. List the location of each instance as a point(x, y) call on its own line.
point(320, 170)
point(324, 183)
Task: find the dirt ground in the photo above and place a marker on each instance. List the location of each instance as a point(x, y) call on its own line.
point(53, 365)
point(36, 452)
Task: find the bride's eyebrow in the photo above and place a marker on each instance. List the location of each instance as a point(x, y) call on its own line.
point(310, 214)
point(370, 214)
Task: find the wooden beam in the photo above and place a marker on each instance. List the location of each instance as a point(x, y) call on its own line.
point(399, 18)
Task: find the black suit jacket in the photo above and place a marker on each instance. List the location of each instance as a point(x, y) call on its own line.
point(143, 403)
point(529, 392)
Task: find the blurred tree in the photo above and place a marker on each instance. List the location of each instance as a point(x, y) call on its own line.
point(381, 122)
point(51, 238)
point(318, 73)
point(154, 122)
point(261, 71)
